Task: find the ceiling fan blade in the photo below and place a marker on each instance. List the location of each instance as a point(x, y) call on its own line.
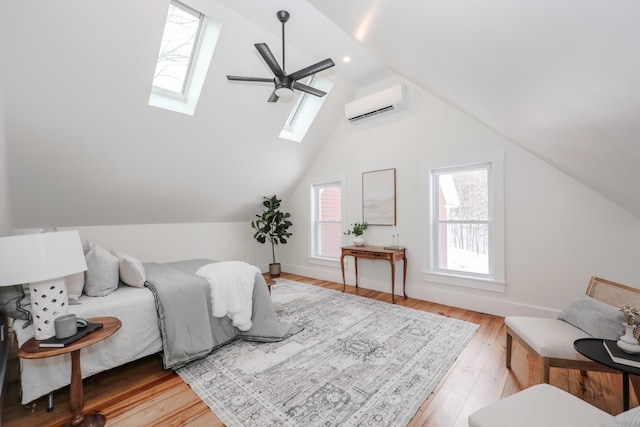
point(308, 89)
point(273, 97)
point(312, 69)
point(250, 79)
point(268, 57)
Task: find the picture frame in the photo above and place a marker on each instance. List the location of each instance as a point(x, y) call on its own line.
point(379, 197)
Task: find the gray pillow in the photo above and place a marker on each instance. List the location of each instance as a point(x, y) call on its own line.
point(101, 277)
point(15, 301)
point(596, 318)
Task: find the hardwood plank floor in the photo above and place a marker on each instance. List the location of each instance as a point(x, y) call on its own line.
point(142, 393)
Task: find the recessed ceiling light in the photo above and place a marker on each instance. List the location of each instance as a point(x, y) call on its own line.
point(346, 59)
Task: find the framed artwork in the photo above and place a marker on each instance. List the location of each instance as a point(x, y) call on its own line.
point(379, 197)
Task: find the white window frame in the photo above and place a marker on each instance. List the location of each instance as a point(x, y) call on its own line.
point(192, 56)
point(314, 257)
point(305, 110)
point(203, 49)
point(495, 279)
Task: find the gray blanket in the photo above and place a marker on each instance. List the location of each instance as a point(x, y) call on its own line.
point(187, 328)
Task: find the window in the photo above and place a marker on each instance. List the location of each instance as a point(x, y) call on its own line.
point(305, 110)
point(177, 50)
point(326, 219)
point(467, 226)
point(186, 49)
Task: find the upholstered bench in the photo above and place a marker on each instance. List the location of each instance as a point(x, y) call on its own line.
point(538, 406)
point(550, 341)
point(548, 406)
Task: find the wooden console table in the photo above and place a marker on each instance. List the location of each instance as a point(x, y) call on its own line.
point(377, 252)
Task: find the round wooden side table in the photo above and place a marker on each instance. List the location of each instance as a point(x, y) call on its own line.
point(31, 350)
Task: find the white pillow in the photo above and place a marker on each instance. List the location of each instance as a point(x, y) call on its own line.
point(131, 270)
point(101, 277)
point(75, 285)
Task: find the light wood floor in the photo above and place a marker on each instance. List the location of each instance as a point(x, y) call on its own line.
point(142, 393)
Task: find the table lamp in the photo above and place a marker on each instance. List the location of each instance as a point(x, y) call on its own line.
point(42, 260)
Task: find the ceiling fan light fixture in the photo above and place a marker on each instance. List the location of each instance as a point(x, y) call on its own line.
point(284, 92)
point(284, 87)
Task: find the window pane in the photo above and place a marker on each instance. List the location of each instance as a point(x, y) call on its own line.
point(464, 196)
point(464, 247)
point(329, 204)
point(177, 48)
point(326, 218)
point(329, 239)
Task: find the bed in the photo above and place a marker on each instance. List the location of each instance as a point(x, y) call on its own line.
point(152, 325)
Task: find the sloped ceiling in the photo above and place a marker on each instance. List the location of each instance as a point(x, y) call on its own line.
point(86, 149)
point(557, 77)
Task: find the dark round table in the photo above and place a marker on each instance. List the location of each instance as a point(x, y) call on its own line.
point(593, 348)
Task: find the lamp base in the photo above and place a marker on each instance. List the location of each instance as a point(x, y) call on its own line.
point(48, 301)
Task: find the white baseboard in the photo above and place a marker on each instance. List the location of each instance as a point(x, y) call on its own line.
point(453, 298)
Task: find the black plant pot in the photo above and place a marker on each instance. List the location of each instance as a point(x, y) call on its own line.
point(274, 269)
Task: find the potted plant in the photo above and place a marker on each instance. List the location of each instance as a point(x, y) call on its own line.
point(272, 226)
point(357, 229)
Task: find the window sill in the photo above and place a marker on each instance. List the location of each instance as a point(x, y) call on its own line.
point(329, 262)
point(464, 281)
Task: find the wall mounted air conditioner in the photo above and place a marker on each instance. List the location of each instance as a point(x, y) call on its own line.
point(391, 99)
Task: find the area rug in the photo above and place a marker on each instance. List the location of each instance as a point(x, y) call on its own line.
point(358, 361)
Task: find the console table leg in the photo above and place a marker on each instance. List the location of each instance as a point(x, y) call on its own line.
point(404, 277)
point(393, 281)
point(344, 284)
point(355, 258)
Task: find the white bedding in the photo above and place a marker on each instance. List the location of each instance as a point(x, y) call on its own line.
point(139, 336)
point(231, 290)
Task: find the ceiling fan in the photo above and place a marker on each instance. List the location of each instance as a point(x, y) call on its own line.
point(285, 83)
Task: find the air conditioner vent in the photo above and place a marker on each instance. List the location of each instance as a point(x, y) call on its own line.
point(391, 99)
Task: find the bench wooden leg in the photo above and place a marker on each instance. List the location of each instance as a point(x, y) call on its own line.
point(508, 349)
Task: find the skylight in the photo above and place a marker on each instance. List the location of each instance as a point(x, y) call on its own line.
point(186, 49)
point(179, 42)
point(305, 110)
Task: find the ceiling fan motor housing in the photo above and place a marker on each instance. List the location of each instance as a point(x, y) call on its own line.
point(285, 83)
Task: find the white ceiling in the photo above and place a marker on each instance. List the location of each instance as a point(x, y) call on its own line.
point(559, 78)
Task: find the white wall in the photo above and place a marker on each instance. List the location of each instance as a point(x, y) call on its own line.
point(5, 209)
point(175, 242)
point(558, 232)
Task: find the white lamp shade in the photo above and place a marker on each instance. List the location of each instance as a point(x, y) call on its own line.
point(36, 257)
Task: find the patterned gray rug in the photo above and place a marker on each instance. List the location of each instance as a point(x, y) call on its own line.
point(358, 362)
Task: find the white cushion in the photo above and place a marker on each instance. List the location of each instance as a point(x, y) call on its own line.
point(548, 337)
point(537, 406)
point(75, 285)
point(101, 277)
point(131, 270)
point(630, 418)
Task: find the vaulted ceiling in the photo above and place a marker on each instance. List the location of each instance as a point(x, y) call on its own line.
point(558, 78)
